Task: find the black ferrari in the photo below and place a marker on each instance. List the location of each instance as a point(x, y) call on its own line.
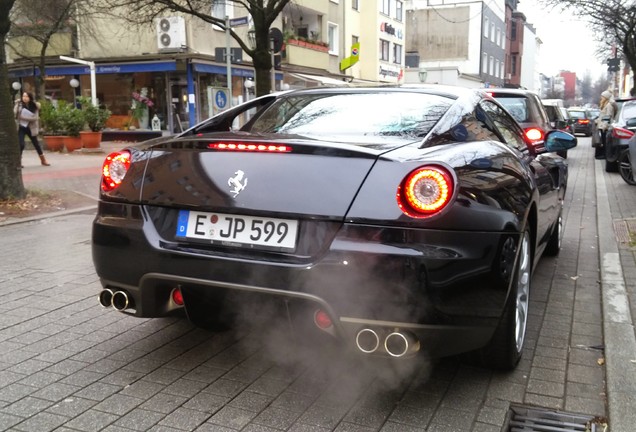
point(393, 220)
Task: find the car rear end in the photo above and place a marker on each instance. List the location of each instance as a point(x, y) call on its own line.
point(620, 132)
point(583, 121)
point(331, 234)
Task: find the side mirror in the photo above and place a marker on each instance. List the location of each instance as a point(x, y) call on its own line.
point(557, 140)
point(631, 122)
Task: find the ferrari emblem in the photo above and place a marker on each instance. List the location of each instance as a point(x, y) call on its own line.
point(238, 182)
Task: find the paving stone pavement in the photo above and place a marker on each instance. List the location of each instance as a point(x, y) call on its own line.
point(66, 364)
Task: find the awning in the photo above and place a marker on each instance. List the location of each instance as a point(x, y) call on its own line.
point(320, 79)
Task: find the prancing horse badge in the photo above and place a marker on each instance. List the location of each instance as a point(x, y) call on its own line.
point(237, 183)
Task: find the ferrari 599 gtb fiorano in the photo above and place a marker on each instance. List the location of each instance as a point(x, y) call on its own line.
point(394, 220)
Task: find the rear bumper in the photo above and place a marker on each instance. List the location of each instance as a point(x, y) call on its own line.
point(447, 288)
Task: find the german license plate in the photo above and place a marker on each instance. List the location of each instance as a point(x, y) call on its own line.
point(237, 230)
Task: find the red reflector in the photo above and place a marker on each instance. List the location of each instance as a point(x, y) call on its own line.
point(583, 121)
point(621, 133)
point(114, 169)
point(322, 319)
point(177, 297)
point(534, 134)
point(249, 146)
point(425, 191)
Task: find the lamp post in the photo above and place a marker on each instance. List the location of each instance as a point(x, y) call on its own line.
point(92, 69)
point(16, 86)
point(75, 84)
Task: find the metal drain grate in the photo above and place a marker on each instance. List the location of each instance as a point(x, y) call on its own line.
point(526, 419)
point(624, 230)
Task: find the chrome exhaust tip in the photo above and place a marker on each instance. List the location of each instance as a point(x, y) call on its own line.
point(106, 298)
point(367, 340)
point(121, 301)
point(399, 344)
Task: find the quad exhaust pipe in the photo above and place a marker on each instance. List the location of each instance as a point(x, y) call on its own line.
point(397, 343)
point(120, 300)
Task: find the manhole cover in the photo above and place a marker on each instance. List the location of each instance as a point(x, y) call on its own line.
point(527, 419)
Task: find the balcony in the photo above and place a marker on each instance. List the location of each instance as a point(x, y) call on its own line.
point(305, 53)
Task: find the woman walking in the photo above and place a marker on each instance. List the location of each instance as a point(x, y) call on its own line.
point(26, 113)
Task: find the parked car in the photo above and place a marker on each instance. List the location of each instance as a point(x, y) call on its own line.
point(526, 107)
point(584, 123)
point(557, 117)
point(621, 129)
point(570, 121)
point(394, 220)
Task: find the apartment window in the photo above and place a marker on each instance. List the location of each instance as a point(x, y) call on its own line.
point(498, 39)
point(496, 68)
point(354, 40)
point(397, 53)
point(333, 38)
point(491, 66)
point(501, 70)
point(486, 26)
point(513, 30)
point(492, 32)
point(354, 5)
point(513, 66)
point(384, 50)
point(386, 7)
point(484, 63)
point(398, 10)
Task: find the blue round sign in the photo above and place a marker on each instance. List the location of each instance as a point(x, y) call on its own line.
point(220, 99)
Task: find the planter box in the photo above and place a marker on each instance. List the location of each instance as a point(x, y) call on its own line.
point(91, 139)
point(54, 142)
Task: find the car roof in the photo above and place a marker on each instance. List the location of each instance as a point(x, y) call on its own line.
point(511, 91)
point(454, 92)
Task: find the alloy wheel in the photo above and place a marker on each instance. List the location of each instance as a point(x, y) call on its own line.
point(523, 291)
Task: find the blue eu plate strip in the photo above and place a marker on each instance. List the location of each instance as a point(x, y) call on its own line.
point(182, 223)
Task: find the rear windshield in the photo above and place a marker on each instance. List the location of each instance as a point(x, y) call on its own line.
point(518, 107)
point(359, 117)
point(577, 114)
point(629, 110)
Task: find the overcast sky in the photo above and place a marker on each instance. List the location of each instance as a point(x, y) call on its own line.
point(567, 43)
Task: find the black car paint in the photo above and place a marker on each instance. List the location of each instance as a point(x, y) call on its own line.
point(429, 275)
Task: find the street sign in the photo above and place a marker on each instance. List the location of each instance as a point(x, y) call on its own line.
point(220, 97)
point(235, 22)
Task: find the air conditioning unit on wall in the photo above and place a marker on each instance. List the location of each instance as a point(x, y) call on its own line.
point(171, 34)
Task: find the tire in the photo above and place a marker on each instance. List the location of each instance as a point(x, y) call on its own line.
point(610, 166)
point(506, 346)
point(625, 167)
point(554, 243)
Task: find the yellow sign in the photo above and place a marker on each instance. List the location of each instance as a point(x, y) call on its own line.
point(347, 62)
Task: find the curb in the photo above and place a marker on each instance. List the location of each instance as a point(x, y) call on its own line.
point(618, 327)
point(16, 221)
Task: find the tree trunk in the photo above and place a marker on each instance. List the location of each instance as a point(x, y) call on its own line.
point(11, 185)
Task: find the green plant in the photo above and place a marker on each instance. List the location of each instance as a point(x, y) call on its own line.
point(50, 119)
point(72, 119)
point(94, 116)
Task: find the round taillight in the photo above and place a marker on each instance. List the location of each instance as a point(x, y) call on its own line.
point(425, 191)
point(177, 297)
point(534, 134)
point(114, 169)
point(322, 319)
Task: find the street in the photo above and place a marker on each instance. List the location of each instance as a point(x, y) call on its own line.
point(67, 364)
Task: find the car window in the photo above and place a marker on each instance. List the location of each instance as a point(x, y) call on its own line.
point(629, 110)
point(507, 126)
point(553, 113)
point(359, 117)
point(517, 107)
point(577, 114)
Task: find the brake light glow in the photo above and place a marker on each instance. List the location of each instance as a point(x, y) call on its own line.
point(250, 147)
point(114, 169)
point(177, 297)
point(583, 121)
point(622, 133)
point(534, 134)
point(425, 191)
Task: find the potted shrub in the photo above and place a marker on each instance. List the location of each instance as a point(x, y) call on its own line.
point(95, 118)
point(73, 122)
point(51, 125)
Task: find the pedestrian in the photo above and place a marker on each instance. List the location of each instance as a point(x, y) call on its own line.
point(606, 106)
point(26, 112)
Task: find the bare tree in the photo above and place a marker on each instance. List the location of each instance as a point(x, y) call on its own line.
point(11, 185)
point(613, 21)
point(263, 13)
point(39, 21)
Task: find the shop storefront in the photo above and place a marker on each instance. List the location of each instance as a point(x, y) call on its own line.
point(179, 92)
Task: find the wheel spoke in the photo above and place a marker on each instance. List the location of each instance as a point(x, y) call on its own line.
point(523, 289)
